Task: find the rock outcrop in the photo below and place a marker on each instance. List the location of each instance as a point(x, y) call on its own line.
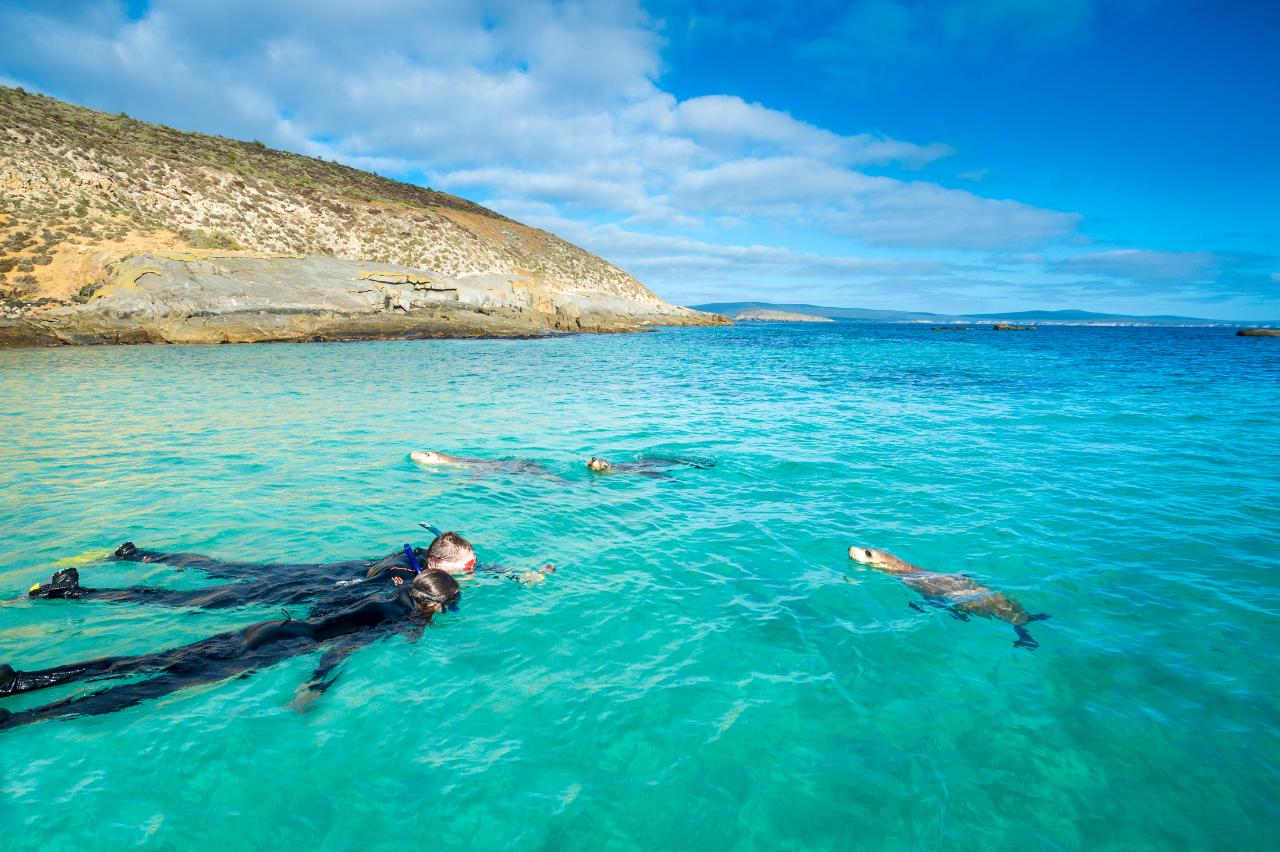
point(231, 298)
point(1259, 332)
point(115, 230)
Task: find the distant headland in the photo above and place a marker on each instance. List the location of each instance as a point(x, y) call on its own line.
point(1070, 317)
point(113, 230)
point(765, 315)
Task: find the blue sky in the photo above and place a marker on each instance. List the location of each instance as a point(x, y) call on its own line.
point(949, 156)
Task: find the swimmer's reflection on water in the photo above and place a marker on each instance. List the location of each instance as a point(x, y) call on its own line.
point(237, 652)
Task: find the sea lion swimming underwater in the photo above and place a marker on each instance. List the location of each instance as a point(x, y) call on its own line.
point(430, 458)
point(651, 466)
point(956, 593)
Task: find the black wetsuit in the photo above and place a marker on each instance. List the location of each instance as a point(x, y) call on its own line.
point(325, 586)
point(215, 658)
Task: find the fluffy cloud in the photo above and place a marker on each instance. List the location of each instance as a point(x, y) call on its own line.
point(540, 100)
point(555, 110)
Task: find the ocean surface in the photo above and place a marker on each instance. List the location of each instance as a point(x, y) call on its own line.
point(706, 668)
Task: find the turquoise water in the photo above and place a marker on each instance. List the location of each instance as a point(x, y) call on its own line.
point(706, 669)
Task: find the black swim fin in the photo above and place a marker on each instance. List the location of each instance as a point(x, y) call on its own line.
point(8, 679)
point(65, 584)
point(1025, 639)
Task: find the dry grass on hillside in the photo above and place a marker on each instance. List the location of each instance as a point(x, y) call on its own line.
point(79, 189)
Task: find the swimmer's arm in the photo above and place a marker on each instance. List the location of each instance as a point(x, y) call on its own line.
point(516, 575)
point(326, 673)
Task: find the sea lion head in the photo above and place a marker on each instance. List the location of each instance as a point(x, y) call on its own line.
point(429, 457)
point(598, 465)
point(877, 559)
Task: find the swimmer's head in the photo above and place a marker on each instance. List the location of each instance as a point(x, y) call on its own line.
point(598, 465)
point(428, 457)
point(877, 559)
point(432, 591)
point(453, 553)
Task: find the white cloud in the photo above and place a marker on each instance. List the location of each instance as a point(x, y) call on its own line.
point(541, 100)
point(734, 127)
point(555, 109)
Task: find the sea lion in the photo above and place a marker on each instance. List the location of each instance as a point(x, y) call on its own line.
point(643, 466)
point(956, 593)
point(430, 458)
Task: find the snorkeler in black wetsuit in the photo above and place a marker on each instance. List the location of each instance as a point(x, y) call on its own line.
point(236, 652)
point(324, 585)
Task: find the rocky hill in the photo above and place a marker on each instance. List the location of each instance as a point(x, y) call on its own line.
point(116, 230)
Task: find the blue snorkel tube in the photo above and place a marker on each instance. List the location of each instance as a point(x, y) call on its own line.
point(408, 548)
point(413, 560)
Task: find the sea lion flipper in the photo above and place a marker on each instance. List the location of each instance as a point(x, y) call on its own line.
point(1025, 639)
point(958, 614)
point(915, 606)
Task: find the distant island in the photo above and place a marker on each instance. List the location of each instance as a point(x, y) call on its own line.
point(1068, 317)
point(113, 230)
point(766, 315)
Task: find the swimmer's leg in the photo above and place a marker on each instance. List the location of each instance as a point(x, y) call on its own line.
point(103, 701)
point(328, 572)
point(210, 597)
point(13, 682)
point(127, 552)
point(66, 584)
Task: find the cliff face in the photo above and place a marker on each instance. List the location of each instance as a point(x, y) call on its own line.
point(87, 199)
